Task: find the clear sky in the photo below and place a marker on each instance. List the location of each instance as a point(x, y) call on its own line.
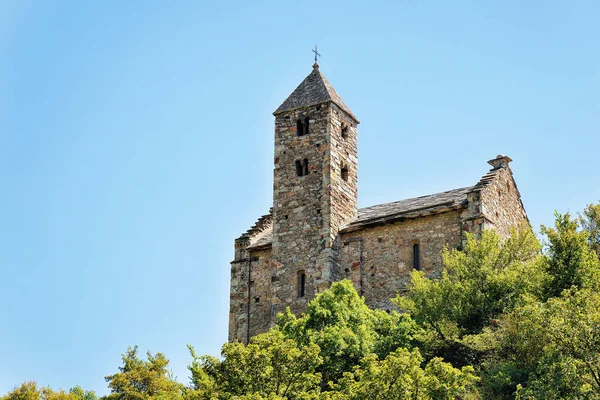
point(136, 145)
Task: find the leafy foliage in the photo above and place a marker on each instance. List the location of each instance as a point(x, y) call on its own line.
point(346, 330)
point(571, 263)
point(400, 376)
point(31, 391)
point(270, 366)
point(507, 319)
point(478, 284)
point(143, 380)
point(565, 332)
point(590, 223)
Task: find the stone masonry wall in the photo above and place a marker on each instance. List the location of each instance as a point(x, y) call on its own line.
point(308, 210)
point(501, 203)
point(238, 298)
point(252, 295)
point(300, 209)
point(378, 260)
point(344, 151)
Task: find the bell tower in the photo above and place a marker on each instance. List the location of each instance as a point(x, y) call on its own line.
point(315, 187)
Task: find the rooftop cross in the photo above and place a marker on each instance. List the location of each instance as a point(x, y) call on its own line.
point(316, 53)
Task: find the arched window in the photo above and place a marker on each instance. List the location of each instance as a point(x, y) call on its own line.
point(416, 253)
point(306, 129)
point(301, 283)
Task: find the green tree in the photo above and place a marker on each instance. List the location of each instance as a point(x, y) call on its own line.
point(400, 376)
point(31, 391)
point(564, 334)
point(271, 366)
point(140, 379)
point(81, 394)
point(548, 349)
point(570, 261)
point(392, 331)
point(26, 391)
point(590, 223)
point(479, 283)
point(345, 330)
point(339, 322)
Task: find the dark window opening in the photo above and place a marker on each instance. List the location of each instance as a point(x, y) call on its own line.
point(416, 257)
point(344, 131)
point(256, 299)
point(302, 167)
point(302, 126)
point(345, 173)
point(299, 128)
point(301, 283)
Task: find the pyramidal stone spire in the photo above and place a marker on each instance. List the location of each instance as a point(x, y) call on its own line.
point(314, 89)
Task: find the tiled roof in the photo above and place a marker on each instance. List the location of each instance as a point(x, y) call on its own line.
point(314, 89)
point(410, 208)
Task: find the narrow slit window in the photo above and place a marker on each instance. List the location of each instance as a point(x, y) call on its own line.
point(299, 168)
point(345, 173)
point(306, 123)
point(299, 128)
point(416, 257)
point(344, 131)
point(301, 283)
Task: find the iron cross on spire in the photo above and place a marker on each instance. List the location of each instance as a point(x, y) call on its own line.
point(316, 53)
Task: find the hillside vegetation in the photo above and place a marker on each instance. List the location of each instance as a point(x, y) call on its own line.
point(511, 319)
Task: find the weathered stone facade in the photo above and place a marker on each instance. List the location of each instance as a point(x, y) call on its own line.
point(315, 234)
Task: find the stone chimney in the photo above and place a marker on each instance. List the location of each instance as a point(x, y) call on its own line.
point(501, 161)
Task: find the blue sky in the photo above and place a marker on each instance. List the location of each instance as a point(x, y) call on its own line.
point(136, 144)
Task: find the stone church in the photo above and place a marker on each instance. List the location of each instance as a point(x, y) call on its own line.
point(315, 234)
